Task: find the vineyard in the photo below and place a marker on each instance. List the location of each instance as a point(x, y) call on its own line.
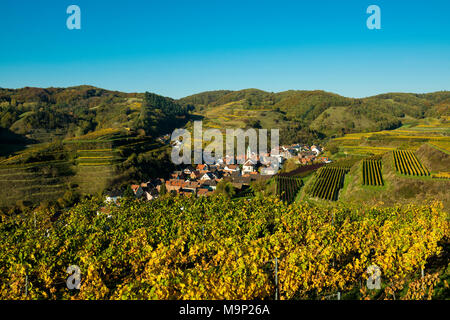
point(180, 248)
point(328, 182)
point(302, 169)
point(441, 175)
point(407, 163)
point(371, 172)
point(287, 187)
point(345, 163)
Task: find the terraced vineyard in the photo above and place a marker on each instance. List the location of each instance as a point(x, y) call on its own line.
point(86, 165)
point(441, 175)
point(371, 172)
point(99, 157)
point(345, 163)
point(34, 182)
point(287, 187)
point(444, 146)
point(365, 150)
point(328, 182)
point(407, 163)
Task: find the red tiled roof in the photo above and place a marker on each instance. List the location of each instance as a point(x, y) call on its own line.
point(175, 182)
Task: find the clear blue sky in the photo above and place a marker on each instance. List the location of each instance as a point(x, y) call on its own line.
point(177, 48)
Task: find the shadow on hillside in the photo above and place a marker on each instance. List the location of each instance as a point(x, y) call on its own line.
point(195, 117)
point(11, 142)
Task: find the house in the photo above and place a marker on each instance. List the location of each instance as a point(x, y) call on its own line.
point(208, 176)
point(324, 159)
point(268, 171)
point(202, 167)
point(315, 149)
point(266, 159)
point(113, 196)
point(231, 168)
point(137, 190)
point(174, 185)
point(305, 161)
point(209, 184)
point(188, 170)
point(195, 175)
point(151, 194)
point(249, 166)
point(286, 154)
point(178, 175)
point(190, 186)
point(240, 158)
point(241, 181)
point(158, 183)
point(216, 170)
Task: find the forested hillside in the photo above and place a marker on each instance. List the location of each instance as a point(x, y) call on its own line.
point(52, 113)
point(316, 114)
point(61, 144)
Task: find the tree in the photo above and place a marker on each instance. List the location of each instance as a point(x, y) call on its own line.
point(333, 148)
point(258, 187)
point(128, 193)
point(226, 188)
point(163, 189)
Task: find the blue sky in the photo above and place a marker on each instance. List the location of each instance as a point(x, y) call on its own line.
point(178, 48)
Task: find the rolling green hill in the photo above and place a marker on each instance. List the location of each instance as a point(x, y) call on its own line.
point(316, 113)
point(80, 166)
point(56, 142)
point(51, 114)
point(102, 139)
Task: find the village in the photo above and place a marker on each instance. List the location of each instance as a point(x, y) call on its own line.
point(202, 179)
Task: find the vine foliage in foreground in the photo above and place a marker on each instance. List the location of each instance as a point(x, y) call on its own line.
point(212, 248)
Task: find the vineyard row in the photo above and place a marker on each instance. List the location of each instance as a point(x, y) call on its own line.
point(329, 181)
point(407, 163)
point(371, 172)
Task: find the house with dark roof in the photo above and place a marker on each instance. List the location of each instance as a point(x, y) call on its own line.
point(113, 196)
point(151, 194)
point(137, 190)
point(195, 175)
point(208, 176)
point(188, 170)
point(209, 184)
